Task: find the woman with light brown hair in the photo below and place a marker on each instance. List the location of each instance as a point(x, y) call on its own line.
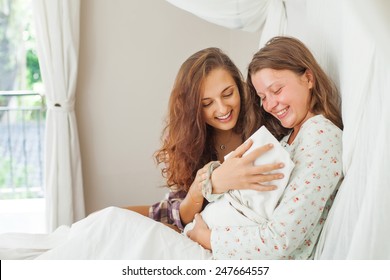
point(285, 85)
point(300, 105)
point(210, 114)
point(290, 54)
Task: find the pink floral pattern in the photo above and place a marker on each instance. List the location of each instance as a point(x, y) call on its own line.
point(294, 229)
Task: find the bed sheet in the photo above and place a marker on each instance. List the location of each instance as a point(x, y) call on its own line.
point(112, 233)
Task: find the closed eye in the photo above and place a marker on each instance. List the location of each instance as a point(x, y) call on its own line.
point(228, 94)
point(279, 90)
point(206, 104)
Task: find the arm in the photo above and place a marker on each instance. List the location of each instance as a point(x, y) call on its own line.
point(194, 199)
point(167, 210)
point(239, 172)
point(236, 173)
point(178, 207)
point(294, 228)
point(143, 210)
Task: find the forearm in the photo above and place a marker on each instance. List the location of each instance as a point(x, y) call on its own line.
point(293, 229)
point(191, 205)
point(218, 183)
point(143, 210)
point(241, 173)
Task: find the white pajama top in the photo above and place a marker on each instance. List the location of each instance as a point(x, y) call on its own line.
point(294, 228)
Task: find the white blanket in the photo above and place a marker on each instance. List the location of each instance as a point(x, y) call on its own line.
point(248, 207)
point(341, 35)
point(112, 233)
point(115, 233)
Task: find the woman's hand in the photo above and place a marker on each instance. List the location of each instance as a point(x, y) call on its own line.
point(195, 191)
point(239, 172)
point(193, 201)
point(200, 233)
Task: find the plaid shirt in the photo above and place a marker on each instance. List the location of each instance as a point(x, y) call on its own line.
point(167, 210)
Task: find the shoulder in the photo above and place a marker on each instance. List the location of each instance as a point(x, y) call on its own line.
point(318, 137)
point(320, 124)
point(320, 128)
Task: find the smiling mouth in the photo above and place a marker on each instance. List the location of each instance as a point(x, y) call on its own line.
point(281, 112)
point(224, 117)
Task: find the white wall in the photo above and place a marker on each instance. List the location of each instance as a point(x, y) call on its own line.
point(130, 52)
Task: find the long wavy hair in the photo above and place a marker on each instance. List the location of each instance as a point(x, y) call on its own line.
point(187, 141)
point(287, 53)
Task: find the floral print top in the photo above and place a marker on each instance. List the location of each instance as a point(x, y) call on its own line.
point(294, 228)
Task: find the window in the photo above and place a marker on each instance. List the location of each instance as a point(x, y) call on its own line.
point(22, 121)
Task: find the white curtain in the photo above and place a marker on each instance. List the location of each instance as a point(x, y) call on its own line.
point(358, 226)
point(238, 14)
point(268, 16)
point(57, 25)
point(350, 39)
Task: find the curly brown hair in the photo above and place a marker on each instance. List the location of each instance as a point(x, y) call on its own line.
point(188, 142)
point(287, 53)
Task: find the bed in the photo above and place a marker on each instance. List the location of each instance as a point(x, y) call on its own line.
point(350, 40)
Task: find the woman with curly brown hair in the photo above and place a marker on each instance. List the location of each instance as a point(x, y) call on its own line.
point(210, 115)
point(291, 88)
point(299, 102)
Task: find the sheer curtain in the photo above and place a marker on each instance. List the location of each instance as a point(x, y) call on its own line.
point(57, 24)
point(269, 16)
point(358, 227)
point(350, 39)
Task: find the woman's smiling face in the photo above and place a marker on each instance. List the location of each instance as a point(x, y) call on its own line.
point(220, 100)
point(285, 95)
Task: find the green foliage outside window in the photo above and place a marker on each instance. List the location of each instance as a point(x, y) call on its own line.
point(19, 66)
point(19, 71)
